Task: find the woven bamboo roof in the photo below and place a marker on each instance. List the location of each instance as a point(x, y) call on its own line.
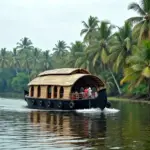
point(63, 71)
point(63, 80)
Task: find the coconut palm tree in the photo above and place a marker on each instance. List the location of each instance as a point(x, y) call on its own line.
point(4, 62)
point(89, 28)
point(139, 67)
point(122, 46)
point(142, 28)
point(27, 63)
point(60, 48)
point(15, 60)
point(74, 48)
point(84, 61)
point(46, 60)
point(36, 57)
point(36, 61)
point(108, 80)
point(24, 44)
point(99, 46)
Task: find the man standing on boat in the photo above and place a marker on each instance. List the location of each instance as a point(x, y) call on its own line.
point(89, 92)
point(86, 92)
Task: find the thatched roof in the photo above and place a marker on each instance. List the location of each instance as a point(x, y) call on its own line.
point(64, 71)
point(63, 80)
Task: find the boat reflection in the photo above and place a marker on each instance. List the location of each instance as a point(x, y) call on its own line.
point(69, 124)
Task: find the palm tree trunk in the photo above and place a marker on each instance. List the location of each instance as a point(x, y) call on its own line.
point(117, 85)
point(28, 71)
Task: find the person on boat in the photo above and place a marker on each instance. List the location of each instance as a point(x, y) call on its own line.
point(77, 95)
point(96, 94)
point(73, 97)
point(89, 92)
point(85, 92)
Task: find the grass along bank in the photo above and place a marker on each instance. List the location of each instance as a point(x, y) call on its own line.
point(128, 100)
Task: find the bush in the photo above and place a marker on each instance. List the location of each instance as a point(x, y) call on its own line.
point(19, 83)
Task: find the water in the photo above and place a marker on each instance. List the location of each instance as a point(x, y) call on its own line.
point(125, 127)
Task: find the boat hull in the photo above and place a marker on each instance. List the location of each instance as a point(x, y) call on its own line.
point(49, 104)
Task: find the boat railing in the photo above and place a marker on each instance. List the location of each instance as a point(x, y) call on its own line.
point(82, 95)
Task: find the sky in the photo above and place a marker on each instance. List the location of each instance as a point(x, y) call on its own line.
point(47, 21)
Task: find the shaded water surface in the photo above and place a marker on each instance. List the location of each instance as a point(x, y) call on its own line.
point(126, 126)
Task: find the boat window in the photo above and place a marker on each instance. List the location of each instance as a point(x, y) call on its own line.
point(61, 93)
point(55, 91)
point(32, 91)
point(94, 89)
point(49, 91)
point(39, 91)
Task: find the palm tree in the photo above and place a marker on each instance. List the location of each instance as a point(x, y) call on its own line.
point(15, 62)
point(4, 62)
point(139, 67)
point(79, 58)
point(60, 48)
point(89, 28)
point(100, 45)
point(36, 60)
point(36, 57)
point(99, 48)
point(75, 47)
point(46, 60)
point(122, 46)
point(24, 44)
point(83, 61)
point(142, 28)
point(108, 80)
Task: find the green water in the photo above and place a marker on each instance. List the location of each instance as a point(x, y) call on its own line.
point(126, 126)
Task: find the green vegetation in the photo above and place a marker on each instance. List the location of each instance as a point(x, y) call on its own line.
point(121, 59)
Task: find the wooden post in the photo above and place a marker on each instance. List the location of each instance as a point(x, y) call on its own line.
point(43, 92)
point(52, 91)
point(35, 91)
point(30, 91)
point(67, 92)
point(58, 91)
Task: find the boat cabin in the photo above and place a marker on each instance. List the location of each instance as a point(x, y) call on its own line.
point(64, 83)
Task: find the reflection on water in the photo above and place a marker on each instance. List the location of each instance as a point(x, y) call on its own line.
point(66, 124)
point(22, 128)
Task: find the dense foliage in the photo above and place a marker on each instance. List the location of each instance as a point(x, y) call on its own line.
point(121, 59)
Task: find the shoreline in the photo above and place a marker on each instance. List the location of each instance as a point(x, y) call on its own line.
point(11, 95)
point(128, 100)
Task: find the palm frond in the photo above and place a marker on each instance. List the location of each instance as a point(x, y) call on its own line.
point(96, 58)
point(135, 19)
point(136, 7)
point(146, 72)
point(83, 31)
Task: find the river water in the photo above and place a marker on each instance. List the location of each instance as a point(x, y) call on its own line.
point(126, 126)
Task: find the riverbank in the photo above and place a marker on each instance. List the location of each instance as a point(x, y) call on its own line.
point(128, 100)
point(11, 95)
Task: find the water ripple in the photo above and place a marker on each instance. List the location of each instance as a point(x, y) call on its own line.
point(126, 127)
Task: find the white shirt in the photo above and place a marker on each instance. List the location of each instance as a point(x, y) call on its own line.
point(89, 91)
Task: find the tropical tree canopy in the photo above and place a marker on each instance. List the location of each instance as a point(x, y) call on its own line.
point(138, 69)
point(142, 21)
point(89, 28)
point(121, 56)
point(122, 44)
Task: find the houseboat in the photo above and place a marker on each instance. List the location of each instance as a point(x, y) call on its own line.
point(66, 89)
